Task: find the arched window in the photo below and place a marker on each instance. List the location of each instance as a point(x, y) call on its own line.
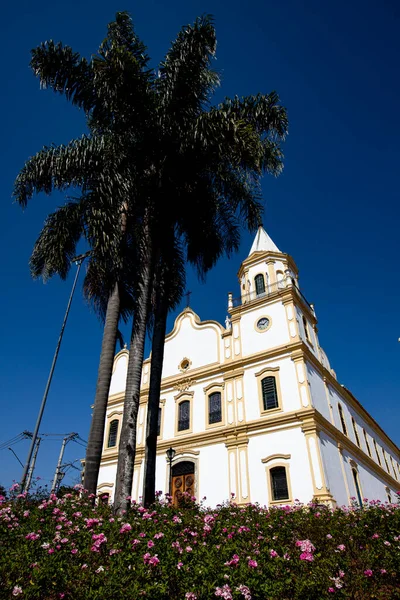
point(259, 282)
point(214, 408)
point(357, 486)
point(342, 421)
point(112, 434)
point(269, 393)
point(367, 443)
point(184, 415)
point(377, 454)
point(386, 462)
point(355, 431)
point(394, 470)
point(104, 498)
point(306, 333)
point(279, 483)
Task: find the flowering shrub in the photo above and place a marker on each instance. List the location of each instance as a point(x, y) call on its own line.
point(64, 548)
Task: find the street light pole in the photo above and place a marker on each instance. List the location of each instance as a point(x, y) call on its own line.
point(57, 473)
point(170, 457)
point(79, 260)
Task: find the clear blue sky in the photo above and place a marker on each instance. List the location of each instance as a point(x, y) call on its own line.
point(335, 209)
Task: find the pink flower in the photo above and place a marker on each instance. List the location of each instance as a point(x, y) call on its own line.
point(50, 550)
point(64, 541)
point(114, 551)
point(331, 590)
point(188, 549)
point(233, 562)
point(74, 551)
point(305, 546)
point(190, 596)
point(16, 590)
point(387, 543)
point(135, 543)
point(341, 547)
point(84, 566)
point(306, 556)
point(375, 536)
point(329, 537)
point(252, 564)
point(150, 544)
point(368, 573)
point(224, 592)
point(125, 527)
point(158, 536)
point(244, 590)
point(273, 553)
point(383, 571)
point(154, 560)
point(341, 574)
point(179, 565)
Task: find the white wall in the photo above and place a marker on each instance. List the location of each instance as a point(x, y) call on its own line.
point(118, 379)
point(372, 487)
point(200, 343)
point(333, 469)
point(318, 394)
point(280, 442)
point(254, 341)
point(290, 398)
point(350, 412)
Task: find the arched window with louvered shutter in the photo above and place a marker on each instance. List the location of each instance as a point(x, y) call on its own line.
point(357, 486)
point(214, 408)
point(259, 283)
point(184, 415)
point(269, 393)
point(355, 432)
point(342, 421)
point(112, 434)
point(279, 484)
point(367, 443)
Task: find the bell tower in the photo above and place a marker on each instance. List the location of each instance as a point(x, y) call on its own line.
point(270, 297)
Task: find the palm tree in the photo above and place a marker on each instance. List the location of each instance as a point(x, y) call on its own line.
point(209, 159)
point(101, 167)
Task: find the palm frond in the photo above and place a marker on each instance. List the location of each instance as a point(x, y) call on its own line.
point(63, 70)
point(56, 244)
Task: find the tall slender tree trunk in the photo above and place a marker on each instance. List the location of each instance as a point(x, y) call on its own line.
point(157, 358)
point(96, 434)
point(127, 444)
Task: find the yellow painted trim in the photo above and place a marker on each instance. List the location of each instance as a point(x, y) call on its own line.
point(275, 457)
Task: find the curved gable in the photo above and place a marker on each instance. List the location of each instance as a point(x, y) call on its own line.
point(120, 369)
point(198, 341)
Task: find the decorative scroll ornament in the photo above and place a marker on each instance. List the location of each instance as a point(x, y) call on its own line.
point(184, 384)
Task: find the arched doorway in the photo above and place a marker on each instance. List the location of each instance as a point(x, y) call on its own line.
point(183, 480)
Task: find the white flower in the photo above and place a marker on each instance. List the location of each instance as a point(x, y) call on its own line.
point(100, 569)
point(45, 545)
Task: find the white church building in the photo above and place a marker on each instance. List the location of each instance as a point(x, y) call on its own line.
point(253, 409)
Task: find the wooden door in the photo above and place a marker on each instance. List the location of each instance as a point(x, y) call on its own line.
point(182, 480)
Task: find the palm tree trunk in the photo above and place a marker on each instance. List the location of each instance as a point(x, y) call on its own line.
point(127, 444)
point(96, 435)
point(157, 358)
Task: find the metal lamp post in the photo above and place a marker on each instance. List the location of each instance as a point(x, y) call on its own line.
point(170, 457)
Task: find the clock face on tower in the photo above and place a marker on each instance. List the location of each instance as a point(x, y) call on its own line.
point(263, 323)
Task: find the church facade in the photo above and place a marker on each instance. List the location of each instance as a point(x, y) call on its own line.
point(252, 409)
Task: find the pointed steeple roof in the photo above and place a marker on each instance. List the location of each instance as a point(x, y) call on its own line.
point(263, 243)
